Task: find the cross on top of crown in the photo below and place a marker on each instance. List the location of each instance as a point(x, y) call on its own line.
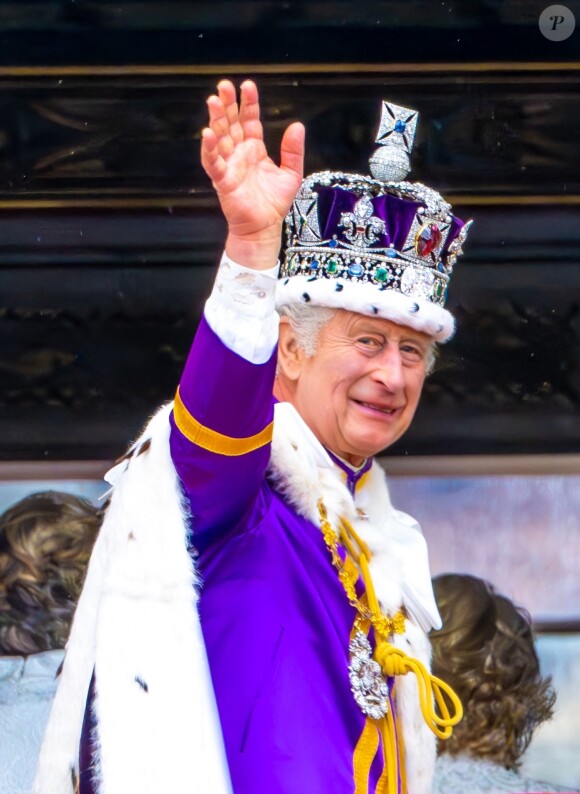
point(397, 127)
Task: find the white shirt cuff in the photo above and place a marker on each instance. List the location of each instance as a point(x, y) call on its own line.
point(241, 311)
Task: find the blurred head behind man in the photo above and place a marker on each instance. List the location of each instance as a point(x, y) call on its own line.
point(45, 544)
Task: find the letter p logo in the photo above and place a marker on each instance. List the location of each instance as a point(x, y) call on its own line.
point(557, 23)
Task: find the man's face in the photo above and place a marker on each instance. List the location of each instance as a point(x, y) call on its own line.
point(358, 393)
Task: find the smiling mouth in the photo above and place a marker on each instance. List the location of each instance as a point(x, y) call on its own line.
point(387, 411)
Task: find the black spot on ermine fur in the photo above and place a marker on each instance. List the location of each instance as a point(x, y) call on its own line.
point(144, 447)
point(141, 683)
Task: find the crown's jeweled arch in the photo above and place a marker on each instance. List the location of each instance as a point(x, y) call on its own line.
point(377, 245)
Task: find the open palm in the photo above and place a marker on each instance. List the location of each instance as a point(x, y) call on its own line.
point(254, 193)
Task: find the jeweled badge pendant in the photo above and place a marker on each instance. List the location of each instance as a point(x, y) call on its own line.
point(367, 682)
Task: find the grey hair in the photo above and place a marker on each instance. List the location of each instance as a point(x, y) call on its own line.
point(431, 359)
point(307, 321)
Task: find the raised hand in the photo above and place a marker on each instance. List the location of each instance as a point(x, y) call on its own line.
point(254, 193)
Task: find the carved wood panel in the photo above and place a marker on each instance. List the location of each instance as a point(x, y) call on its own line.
point(109, 232)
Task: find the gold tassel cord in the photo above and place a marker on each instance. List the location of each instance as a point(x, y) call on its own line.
point(392, 660)
point(395, 662)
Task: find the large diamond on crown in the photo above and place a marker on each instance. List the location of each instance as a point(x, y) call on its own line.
point(418, 282)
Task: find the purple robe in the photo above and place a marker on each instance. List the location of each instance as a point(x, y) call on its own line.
point(275, 618)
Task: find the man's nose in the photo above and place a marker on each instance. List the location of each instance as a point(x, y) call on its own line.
point(389, 369)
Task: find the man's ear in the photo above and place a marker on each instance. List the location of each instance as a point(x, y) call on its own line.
point(290, 354)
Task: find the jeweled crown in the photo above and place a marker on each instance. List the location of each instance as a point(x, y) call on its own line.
point(382, 230)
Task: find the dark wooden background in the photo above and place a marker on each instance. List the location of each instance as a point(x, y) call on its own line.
point(109, 232)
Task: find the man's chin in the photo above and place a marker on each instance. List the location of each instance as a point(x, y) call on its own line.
point(371, 445)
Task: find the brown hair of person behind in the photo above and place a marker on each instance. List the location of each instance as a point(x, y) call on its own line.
point(485, 651)
point(45, 544)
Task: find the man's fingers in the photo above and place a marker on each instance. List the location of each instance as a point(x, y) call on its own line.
point(227, 91)
point(230, 126)
point(227, 94)
point(218, 120)
point(220, 125)
point(230, 123)
point(292, 149)
point(250, 110)
point(211, 159)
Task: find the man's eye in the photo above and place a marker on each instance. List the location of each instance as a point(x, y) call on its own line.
point(368, 341)
point(412, 352)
